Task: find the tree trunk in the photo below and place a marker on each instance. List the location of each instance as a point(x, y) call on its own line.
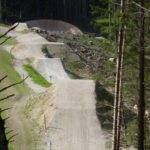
point(141, 102)
point(3, 139)
point(118, 84)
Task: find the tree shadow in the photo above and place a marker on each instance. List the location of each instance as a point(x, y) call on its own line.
point(104, 106)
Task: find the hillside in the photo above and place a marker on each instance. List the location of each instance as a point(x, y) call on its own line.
point(69, 92)
point(74, 99)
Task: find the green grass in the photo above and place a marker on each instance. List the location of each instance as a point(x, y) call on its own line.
point(36, 77)
point(4, 25)
point(75, 65)
point(6, 68)
point(8, 41)
point(29, 60)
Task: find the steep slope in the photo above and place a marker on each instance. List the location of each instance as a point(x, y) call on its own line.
point(75, 125)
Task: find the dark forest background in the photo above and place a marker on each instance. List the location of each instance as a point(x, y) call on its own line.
point(77, 12)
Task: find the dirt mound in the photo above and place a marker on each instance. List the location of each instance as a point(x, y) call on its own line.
point(54, 26)
point(22, 27)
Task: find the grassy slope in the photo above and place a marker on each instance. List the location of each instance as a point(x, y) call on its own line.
point(6, 68)
point(8, 41)
point(36, 77)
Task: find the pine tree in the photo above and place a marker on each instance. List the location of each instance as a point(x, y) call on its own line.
point(118, 84)
point(141, 102)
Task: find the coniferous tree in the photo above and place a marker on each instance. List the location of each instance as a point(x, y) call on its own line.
point(141, 103)
point(118, 84)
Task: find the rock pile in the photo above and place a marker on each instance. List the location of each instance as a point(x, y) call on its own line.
point(48, 36)
point(91, 57)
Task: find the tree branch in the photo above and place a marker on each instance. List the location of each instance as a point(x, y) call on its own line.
point(5, 40)
point(2, 110)
point(12, 28)
point(8, 132)
point(6, 118)
point(14, 84)
point(11, 141)
point(7, 97)
point(3, 78)
point(140, 6)
point(12, 136)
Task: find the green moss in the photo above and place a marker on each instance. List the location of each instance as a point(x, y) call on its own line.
point(36, 77)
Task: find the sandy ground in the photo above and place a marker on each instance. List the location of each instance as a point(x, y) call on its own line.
point(75, 125)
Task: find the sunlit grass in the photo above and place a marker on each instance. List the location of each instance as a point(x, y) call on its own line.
point(6, 68)
point(36, 77)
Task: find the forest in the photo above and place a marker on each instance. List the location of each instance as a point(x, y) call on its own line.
point(113, 50)
point(74, 11)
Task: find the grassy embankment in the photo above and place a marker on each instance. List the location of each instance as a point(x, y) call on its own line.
point(36, 77)
point(6, 68)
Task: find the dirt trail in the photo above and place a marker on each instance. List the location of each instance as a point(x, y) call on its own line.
point(75, 125)
point(51, 69)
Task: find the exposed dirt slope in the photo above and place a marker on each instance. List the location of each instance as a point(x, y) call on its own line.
point(75, 125)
